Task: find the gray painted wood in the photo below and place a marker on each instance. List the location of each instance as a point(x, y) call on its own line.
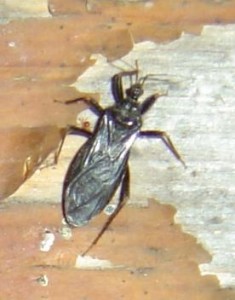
point(198, 74)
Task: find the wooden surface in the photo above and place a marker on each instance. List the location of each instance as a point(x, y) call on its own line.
point(46, 47)
point(197, 72)
point(143, 255)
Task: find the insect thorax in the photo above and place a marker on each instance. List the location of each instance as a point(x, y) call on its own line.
point(127, 114)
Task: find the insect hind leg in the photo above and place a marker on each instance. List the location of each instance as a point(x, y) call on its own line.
point(123, 196)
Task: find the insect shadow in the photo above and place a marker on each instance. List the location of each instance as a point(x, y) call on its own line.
point(100, 166)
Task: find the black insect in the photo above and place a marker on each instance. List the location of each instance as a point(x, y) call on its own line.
point(101, 165)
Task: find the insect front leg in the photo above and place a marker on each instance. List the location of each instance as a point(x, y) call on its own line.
point(148, 103)
point(117, 84)
point(123, 197)
point(165, 139)
point(91, 102)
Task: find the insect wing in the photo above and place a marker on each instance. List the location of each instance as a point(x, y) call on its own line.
point(94, 175)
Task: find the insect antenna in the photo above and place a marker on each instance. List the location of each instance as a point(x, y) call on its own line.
point(129, 66)
point(137, 69)
point(146, 77)
point(130, 69)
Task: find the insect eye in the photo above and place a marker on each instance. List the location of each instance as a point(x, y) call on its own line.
point(135, 91)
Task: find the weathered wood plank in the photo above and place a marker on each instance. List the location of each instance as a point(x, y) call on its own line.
point(198, 74)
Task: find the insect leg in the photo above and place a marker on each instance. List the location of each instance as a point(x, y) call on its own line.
point(117, 85)
point(123, 196)
point(58, 151)
point(78, 131)
point(148, 103)
point(95, 107)
point(91, 102)
point(70, 130)
point(165, 139)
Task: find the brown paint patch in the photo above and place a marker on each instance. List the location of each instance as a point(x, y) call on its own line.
point(159, 261)
point(21, 153)
point(159, 20)
point(37, 69)
point(40, 59)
